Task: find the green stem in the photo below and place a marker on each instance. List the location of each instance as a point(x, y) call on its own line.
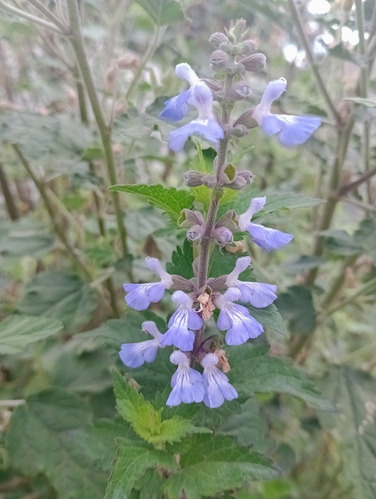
point(368, 287)
point(104, 130)
point(304, 41)
point(332, 200)
point(30, 17)
point(50, 209)
point(55, 20)
point(151, 48)
point(9, 202)
point(338, 282)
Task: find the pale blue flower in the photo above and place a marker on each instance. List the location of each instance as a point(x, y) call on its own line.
point(139, 296)
point(265, 237)
point(217, 387)
point(182, 323)
point(187, 383)
point(292, 130)
point(136, 354)
point(236, 319)
point(198, 95)
point(257, 294)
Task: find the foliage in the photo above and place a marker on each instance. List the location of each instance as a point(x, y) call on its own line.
point(89, 189)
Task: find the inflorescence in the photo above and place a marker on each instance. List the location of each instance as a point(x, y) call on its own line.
point(198, 298)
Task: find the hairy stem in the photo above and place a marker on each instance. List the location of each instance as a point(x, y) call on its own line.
point(104, 130)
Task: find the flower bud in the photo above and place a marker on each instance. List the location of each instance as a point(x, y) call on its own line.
point(254, 62)
point(213, 85)
point(217, 38)
point(242, 179)
point(239, 130)
point(247, 47)
point(219, 60)
point(195, 232)
point(239, 91)
point(223, 236)
point(246, 119)
point(193, 179)
point(128, 62)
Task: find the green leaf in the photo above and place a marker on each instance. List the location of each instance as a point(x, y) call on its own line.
point(222, 262)
point(340, 243)
point(355, 426)
point(147, 421)
point(24, 237)
point(303, 263)
point(216, 463)
point(171, 200)
point(252, 370)
point(182, 261)
point(41, 439)
point(369, 103)
point(366, 236)
point(163, 11)
point(18, 331)
point(274, 202)
point(297, 307)
point(269, 317)
point(61, 295)
point(133, 458)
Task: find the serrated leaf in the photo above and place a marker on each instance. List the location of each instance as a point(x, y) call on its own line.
point(355, 426)
point(252, 370)
point(163, 11)
point(61, 295)
point(41, 439)
point(170, 200)
point(297, 307)
point(147, 421)
point(133, 458)
point(269, 317)
point(18, 331)
point(216, 463)
point(182, 261)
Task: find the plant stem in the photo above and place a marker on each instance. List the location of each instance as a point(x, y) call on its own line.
point(30, 17)
point(50, 209)
point(304, 41)
point(55, 20)
point(211, 219)
point(368, 287)
point(338, 282)
point(9, 202)
point(104, 130)
point(151, 48)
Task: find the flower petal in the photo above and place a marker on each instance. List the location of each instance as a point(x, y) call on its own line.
point(209, 129)
point(257, 294)
point(176, 108)
point(294, 130)
point(268, 238)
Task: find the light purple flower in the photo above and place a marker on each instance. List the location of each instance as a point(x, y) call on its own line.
point(181, 323)
point(236, 319)
point(217, 387)
point(265, 237)
point(139, 296)
point(198, 95)
point(292, 130)
point(257, 294)
point(136, 354)
point(186, 382)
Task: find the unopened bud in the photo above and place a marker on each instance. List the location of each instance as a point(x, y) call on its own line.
point(246, 119)
point(217, 38)
point(213, 85)
point(239, 91)
point(193, 179)
point(219, 60)
point(237, 30)
point(223, 236)
point(242, 179)
point(128, 62)
point(247, 47)
point(255, 62)
point(239, 130)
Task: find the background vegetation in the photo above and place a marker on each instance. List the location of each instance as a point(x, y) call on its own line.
point(79, 112)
